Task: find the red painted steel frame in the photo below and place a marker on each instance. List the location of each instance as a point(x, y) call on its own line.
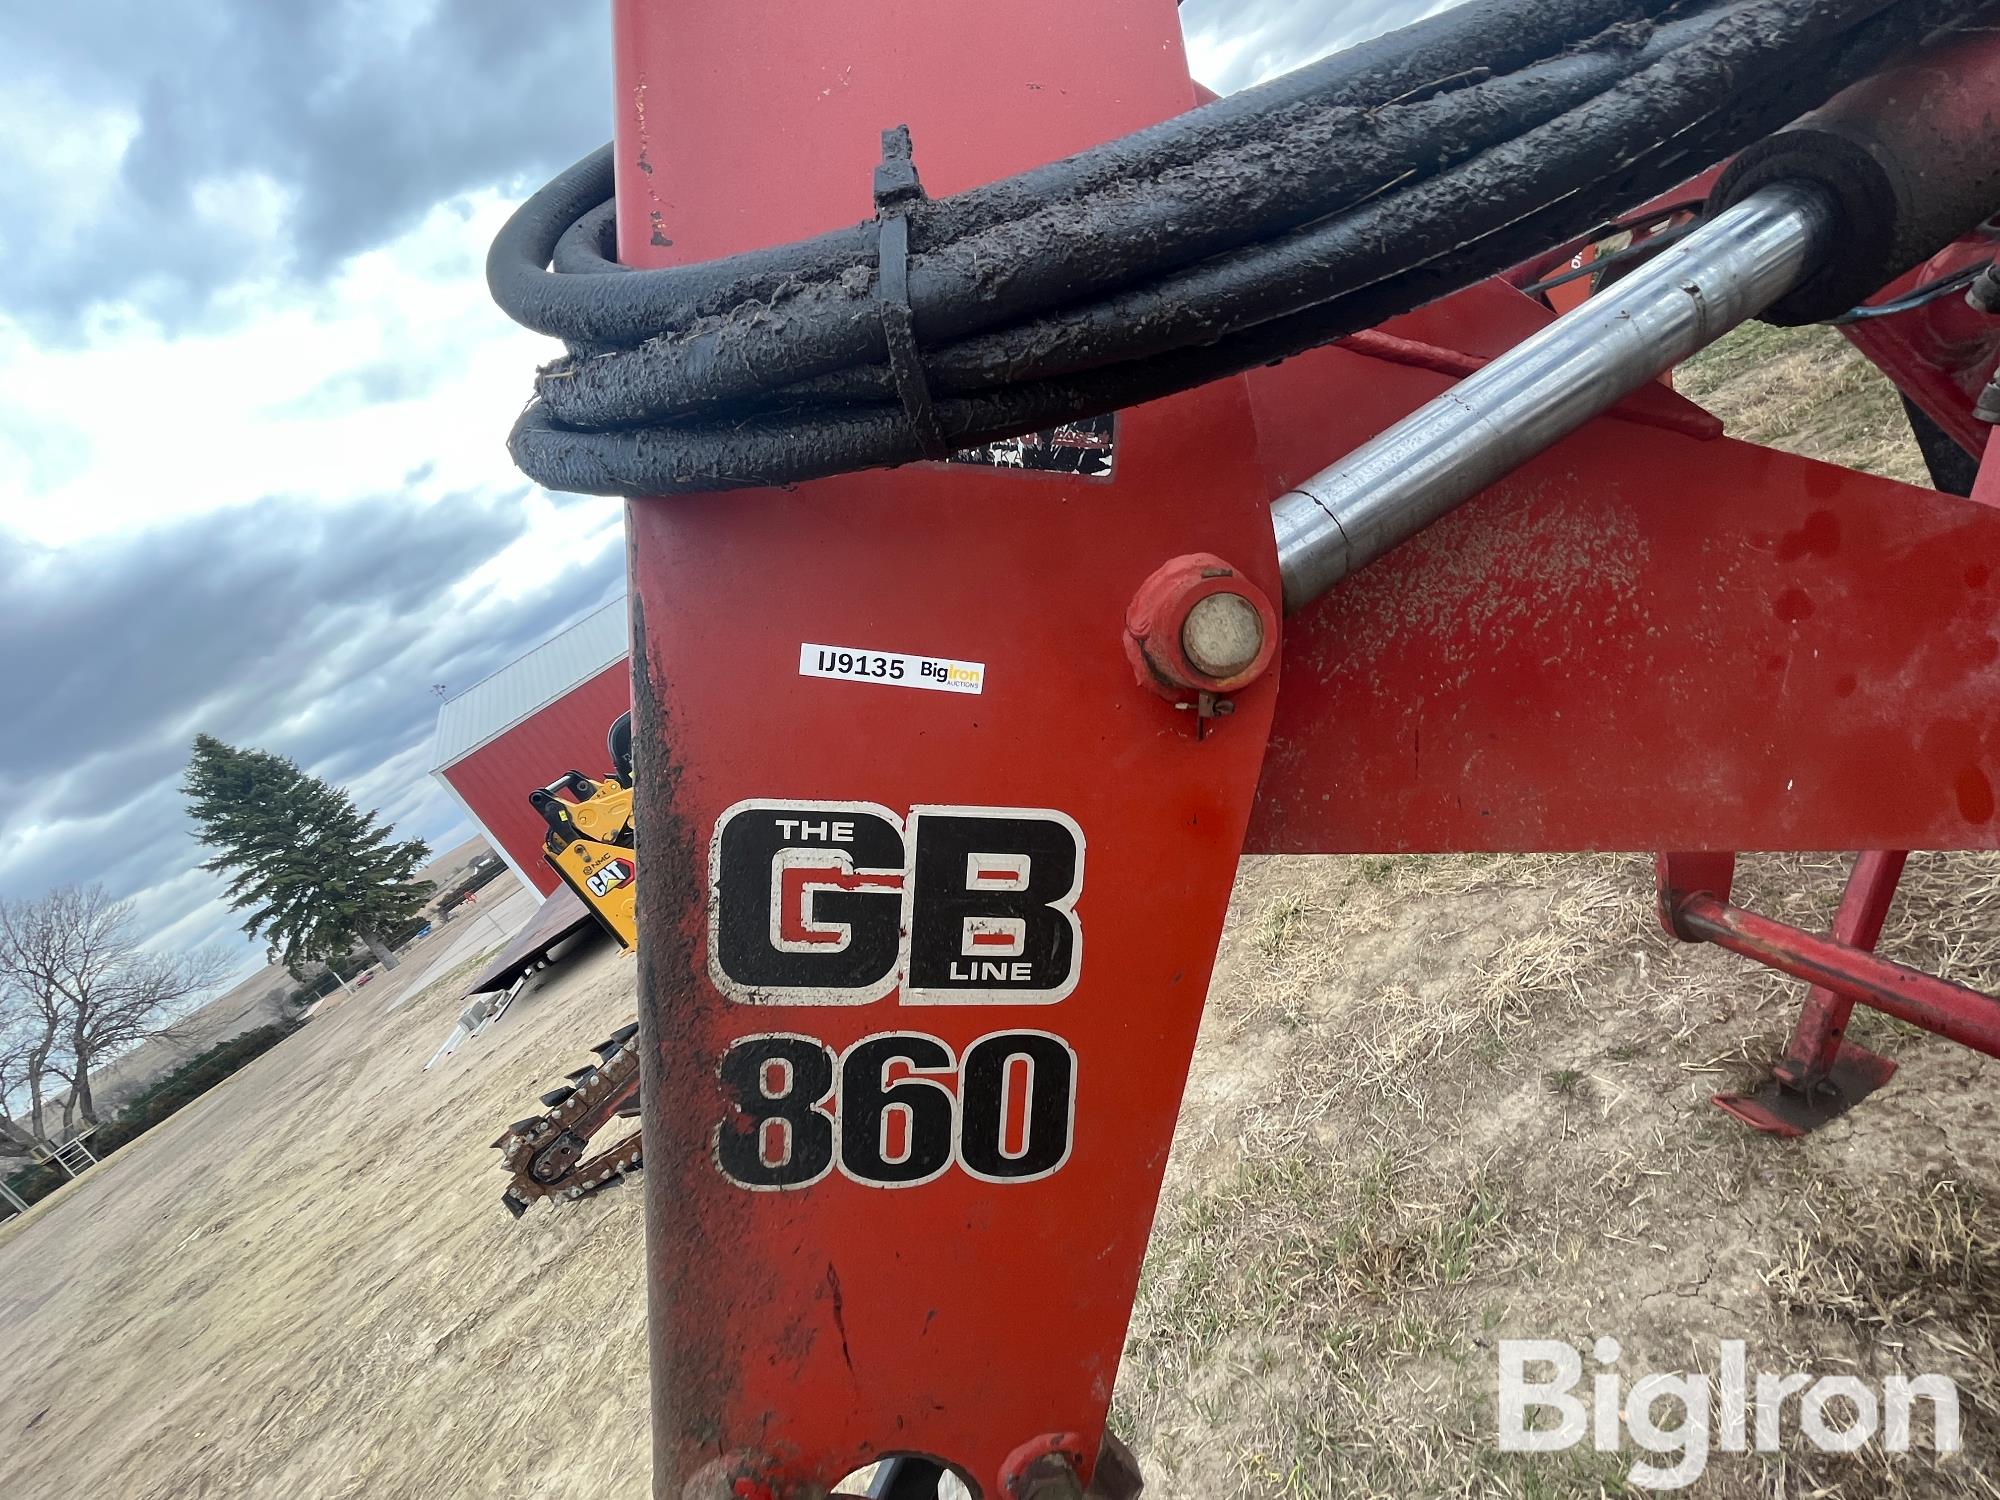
point(1823, 1023)
point(1651, 637)
point(1951, 1010)
point(1940, 355)
point(1822, 1074)
point(800, 1334)
point(1641, 640)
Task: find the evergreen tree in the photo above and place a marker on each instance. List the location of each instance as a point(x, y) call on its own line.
point(318, 873)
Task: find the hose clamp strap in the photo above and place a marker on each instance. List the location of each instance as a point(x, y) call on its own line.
point(897, 192)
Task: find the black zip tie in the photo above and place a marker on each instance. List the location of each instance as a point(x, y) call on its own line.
point(897, 191)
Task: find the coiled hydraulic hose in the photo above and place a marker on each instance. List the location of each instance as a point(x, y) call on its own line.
point(1241, 233)
point(571, 220)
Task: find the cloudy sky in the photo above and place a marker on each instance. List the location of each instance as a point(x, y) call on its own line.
point(252, 395)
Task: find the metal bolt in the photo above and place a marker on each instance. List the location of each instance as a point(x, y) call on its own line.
point(1223, 635)
point(1984, 294)
point(1988, 409)
point(1050, 1477)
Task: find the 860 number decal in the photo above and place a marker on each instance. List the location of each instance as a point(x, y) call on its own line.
point(895, 1110)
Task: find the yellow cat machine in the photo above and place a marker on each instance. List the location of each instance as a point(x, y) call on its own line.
point(589, 842)
point(590, 845)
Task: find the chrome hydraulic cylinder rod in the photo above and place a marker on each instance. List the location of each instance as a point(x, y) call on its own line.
point(1496, 419)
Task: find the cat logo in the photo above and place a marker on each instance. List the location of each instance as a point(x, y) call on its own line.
point(610, 877)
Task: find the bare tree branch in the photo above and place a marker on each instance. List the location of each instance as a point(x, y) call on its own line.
point(17, 1045)
point(87, 989)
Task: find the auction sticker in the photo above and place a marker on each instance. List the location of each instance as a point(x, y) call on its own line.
point(892, 669)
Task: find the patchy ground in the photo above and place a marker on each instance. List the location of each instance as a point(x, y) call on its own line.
point(259, 1000)
point(1447, 1101)
point(1806, 391)
point(304, 1286)
point(1438, 1102)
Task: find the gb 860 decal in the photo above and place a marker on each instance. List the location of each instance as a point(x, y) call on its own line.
point(895, 1110)
point(844, 903)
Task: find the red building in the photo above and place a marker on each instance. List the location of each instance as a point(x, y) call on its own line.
point(529, 722)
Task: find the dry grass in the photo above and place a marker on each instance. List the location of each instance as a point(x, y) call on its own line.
point(302, 1284)
point(1908, 1281)
point(453, 981)
point(1806, 391)
point(1444, 1101)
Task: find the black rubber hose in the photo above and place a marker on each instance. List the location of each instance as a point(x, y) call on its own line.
point(976, 267)
point(1696, 92)
point(1289, 275)
point(1326, 161)
point(1668, 163)
point(1771, 56)
point(1470, 42)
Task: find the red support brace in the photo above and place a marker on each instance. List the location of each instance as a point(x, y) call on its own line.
point(1823, 1024)
point(1953, 1011)
point(1822, 1074)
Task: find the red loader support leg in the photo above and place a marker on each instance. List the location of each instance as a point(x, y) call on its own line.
point(946, 769)
point(1823, 1025)
point(943, 868)
point(1823, 1075)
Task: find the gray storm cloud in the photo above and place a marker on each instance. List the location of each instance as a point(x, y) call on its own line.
point(308, 629)
point(361, 115)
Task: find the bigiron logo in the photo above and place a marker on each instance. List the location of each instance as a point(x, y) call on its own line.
point(1682, 1418)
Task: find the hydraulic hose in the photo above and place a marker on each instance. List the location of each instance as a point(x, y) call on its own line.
point(1474, 41)
point(1066, 254)
point(1241, 233)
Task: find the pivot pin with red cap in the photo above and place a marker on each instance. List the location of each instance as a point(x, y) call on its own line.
point(1198, 631)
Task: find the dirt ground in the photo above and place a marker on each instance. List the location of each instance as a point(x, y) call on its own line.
point(1441, 1102)
point(259, 1000)
point(1438, 1102)
point(304, 1285)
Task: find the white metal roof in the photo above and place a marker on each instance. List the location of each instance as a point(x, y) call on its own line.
point(489, 708)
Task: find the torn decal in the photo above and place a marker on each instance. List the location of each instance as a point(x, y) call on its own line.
point(1088, 447)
